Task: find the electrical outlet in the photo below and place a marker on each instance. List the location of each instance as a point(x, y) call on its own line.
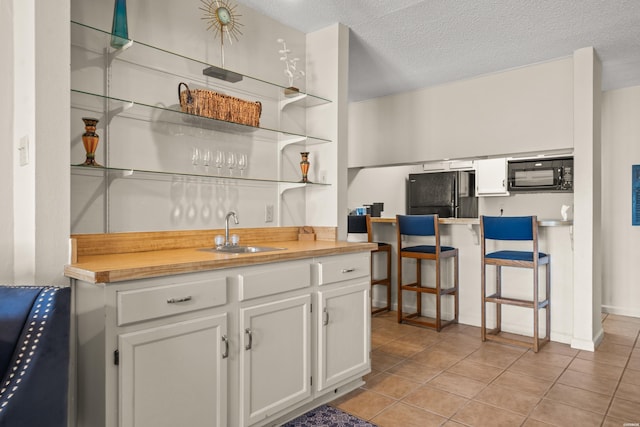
point(268, 213)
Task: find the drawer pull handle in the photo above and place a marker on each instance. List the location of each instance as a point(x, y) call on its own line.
point(325, 321)
point(225, 353)
point(248, 332)
point(348, 270)
point(177, 300)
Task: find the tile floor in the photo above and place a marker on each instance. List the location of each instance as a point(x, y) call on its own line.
point(423, 378)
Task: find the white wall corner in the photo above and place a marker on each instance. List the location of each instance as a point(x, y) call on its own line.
point(587, 325)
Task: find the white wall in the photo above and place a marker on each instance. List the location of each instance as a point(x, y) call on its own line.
point(621, 240)
point(6, 146)
point(35, 218)
point(528, 109)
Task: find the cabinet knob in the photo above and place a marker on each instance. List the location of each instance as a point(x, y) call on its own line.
point(348, 270)
point(250, 334)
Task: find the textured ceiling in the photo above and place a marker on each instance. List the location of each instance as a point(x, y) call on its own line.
point(399, 45)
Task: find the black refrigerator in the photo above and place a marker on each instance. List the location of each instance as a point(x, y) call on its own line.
point(448, 194)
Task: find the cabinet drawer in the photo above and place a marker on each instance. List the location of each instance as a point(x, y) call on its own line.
point(152, 303)
point(343, 267)
point(260, 282)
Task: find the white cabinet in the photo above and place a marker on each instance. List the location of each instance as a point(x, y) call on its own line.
point(152, 352)
point(342, 318)
point(174, 374)
point(275, 359)
point(343, 334)
point(243, 346)
point(491, 177)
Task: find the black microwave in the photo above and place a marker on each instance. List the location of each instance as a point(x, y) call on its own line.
point(541, 175)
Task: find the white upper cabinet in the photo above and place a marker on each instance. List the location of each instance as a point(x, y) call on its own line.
point(491, 177)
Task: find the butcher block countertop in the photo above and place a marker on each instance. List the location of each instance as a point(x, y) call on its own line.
point(116, 257)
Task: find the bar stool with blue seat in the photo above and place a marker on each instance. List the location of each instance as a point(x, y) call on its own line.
point(360, 224)
point(523, 228)
point(425, 225)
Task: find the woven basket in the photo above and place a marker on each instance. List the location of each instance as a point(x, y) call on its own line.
point(207, 103)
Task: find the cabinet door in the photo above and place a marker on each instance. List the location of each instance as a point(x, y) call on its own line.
point(175, 375)
point(275, 357)
point(491, 177)
point(344, 336)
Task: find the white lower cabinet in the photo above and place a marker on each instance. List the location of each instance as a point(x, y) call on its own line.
point(275, 359)
point(175, 374)
point(343, 334)
point(249, 346)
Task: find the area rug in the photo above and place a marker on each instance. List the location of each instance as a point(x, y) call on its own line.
point(327, 416)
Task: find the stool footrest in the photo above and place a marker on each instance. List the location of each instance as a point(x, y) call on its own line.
point(385, 282)
point(497, 299)
point(494, 335)
point(427, 290)
point(417, 319)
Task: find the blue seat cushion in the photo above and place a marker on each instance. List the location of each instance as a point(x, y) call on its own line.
point(15, 305)
point(427, 249)
point(515, 255)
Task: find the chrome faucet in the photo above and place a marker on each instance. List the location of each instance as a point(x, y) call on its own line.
point(226, 226)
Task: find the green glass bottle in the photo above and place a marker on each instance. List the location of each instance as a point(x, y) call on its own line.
point(119, 30)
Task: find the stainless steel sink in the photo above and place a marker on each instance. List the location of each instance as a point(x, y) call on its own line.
point(236, 249)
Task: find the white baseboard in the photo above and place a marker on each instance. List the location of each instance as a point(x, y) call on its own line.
point(621, 311)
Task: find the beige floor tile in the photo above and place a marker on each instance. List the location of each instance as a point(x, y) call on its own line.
point(634, 362)
point(618, 327)
point(604, 357)
point(371, 374)
point(520, 382)
point(631, 376)
point(588, 382)
point(613, 422)
point(633, 320)
point(452, 424)
point(548, 358)
point(415, 371)
point(579, 398)
point(420, 337)
point(381, 361)
point(436, 359)
point(462, 386)
point(480, 414)
point(611, 347)
point(364, 404)
point(628, 392)
point(596, 368)
point(459, 345)
point(624, 340)
point(559, 348)
point(401, 415)
point(560, 414)
point(477, 371)
point(625, 410)
point(532, 367)
point(435, 400)
point(392, 386)
point(535, 423)
point(505, 398)
point(400, 348)
point(498, 355)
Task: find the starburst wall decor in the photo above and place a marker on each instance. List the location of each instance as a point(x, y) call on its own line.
point(222, 19)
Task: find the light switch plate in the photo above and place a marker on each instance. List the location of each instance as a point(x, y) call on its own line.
point(23, 149)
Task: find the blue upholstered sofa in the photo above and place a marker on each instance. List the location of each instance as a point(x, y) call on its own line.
point(34, 355)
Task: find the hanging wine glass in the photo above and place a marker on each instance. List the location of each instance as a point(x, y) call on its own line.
point(219, 160)
point(231, 162)
point(242, 163)
point(206, 159)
